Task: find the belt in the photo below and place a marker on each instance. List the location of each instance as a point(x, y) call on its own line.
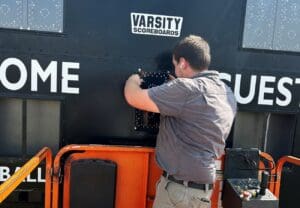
point(190, 184)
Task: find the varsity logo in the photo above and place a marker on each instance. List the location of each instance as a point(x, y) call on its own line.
point(153, 24)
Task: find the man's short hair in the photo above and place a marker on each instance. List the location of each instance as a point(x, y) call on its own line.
point(195, 50)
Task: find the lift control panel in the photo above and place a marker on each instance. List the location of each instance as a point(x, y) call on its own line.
point(242, 186)
point(246, 193)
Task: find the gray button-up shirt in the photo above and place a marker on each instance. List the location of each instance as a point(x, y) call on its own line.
point(196, 117)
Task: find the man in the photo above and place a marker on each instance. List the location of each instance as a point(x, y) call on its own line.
point(197, 111)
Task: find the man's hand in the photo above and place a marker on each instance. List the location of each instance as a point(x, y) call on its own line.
point(138, 97)
point(135, 78)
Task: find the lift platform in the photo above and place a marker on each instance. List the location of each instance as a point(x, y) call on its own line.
point(116, 176)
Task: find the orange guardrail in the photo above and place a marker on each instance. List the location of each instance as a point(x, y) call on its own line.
point(271, 168)
point(12, 183)
point(280, 164)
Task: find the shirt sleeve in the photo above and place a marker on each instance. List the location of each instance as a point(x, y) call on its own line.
point(169, 97)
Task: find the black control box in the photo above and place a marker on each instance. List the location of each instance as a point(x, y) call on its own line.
point(241, 163)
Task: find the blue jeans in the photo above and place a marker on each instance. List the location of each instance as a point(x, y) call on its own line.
point(173, 195)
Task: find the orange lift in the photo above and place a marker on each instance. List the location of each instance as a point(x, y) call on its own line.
point(136, 177)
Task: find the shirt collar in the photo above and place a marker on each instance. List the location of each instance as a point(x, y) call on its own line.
point(206, 73)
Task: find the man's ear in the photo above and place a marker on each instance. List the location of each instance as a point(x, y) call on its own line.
point(182, 63)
